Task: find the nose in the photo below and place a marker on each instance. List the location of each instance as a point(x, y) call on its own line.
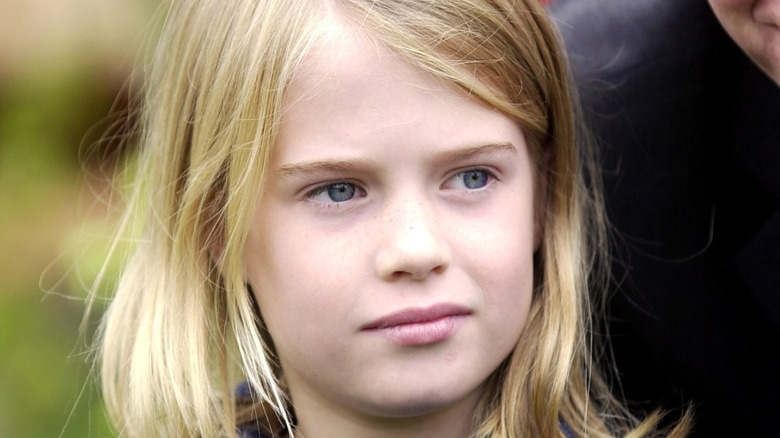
point(412, 245)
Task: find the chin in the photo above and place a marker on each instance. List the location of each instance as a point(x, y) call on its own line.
point(410, 408)
point(420, 404)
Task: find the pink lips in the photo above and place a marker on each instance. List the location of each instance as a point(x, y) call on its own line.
point(420, 326)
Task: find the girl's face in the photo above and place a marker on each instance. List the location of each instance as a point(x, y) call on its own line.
point(755, 27)
point(392, 250)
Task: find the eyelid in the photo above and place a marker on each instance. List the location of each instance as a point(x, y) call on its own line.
point(317, 189)
point(490, 170)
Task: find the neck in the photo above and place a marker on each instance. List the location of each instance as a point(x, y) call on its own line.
point(327, 421)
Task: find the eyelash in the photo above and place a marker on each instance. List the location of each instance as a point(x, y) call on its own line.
point(490, 175)
point(359, 192)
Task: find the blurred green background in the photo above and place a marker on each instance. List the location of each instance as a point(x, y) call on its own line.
point(63, 65)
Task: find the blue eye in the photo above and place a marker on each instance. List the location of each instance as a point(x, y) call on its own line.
point(339, 192)
point(473, 179)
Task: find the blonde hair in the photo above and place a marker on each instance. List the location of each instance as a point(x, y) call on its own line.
point(183, 328)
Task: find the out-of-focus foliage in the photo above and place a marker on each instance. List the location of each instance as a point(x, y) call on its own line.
point(62, 66)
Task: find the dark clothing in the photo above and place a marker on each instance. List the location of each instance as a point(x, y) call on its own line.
point(689, 131)
point(247, 432)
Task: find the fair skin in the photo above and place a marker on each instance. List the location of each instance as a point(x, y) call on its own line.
point(391, 252)
point(755, 26)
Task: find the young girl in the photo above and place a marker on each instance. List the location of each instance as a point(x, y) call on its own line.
point(371, 212)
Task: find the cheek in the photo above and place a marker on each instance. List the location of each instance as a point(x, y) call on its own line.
point(301, 277)
point(508, 292)
point(500, 250)
point(732, 4)
point(733, 14)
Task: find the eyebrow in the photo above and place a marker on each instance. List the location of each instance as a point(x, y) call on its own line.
point(324, 167)
point(329, 167)
point(467, 152)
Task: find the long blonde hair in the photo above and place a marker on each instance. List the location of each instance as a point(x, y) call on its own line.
point(182, 328)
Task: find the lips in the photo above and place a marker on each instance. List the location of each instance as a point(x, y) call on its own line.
point(417, 316)
point(420, 326)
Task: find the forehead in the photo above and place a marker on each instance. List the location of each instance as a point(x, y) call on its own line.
point(351, 95)
point(340, 56)
point(348, 70)
point(347, 75)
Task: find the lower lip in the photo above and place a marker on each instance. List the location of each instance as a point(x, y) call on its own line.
point(422, 333)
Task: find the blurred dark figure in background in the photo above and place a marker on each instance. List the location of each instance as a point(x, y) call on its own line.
point(690, 136)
